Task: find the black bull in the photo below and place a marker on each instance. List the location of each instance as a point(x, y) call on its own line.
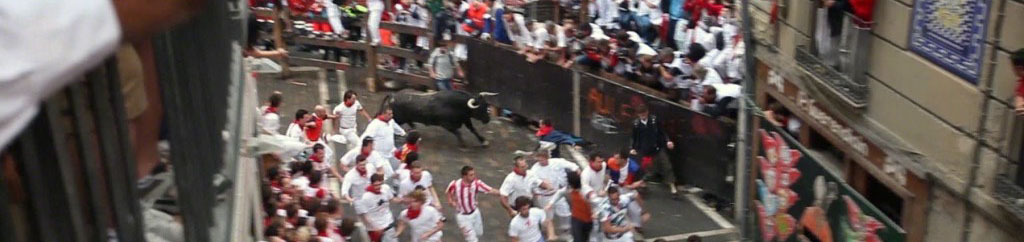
point(448, 109)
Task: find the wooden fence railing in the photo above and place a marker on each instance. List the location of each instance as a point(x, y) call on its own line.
point(372, 73)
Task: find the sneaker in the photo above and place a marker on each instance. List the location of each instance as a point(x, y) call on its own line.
point(672, 187)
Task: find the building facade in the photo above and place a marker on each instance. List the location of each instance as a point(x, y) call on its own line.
point(910, 109)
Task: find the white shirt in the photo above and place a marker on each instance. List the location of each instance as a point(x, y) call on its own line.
point(406, 185)
point(269, 122)
point(383, 134)
point(727, 90)
point(553, 173)
point(43, 56)
point(527, 229)
point(607, 12)
point(376, 160)
point(374, 5)
point(347, 115)
point(540, 36)
point(354, 185)
point(377, 208)
point(295, 131)
point(594, 181)
point(427, 220)
point(515, 186)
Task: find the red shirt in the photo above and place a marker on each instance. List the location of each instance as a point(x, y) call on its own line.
point(313, 134)
point(580, 207)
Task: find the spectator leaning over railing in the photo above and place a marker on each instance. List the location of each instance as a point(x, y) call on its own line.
point(495, 24)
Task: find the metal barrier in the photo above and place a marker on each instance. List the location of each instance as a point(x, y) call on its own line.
point(601, 110)
point(76, 167)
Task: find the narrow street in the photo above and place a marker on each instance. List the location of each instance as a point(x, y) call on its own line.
point(672, 219)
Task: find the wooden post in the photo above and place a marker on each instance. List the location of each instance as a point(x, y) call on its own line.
point(279, 25)
point(370, 67)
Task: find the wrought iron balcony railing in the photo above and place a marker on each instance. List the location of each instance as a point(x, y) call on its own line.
point(847, 77)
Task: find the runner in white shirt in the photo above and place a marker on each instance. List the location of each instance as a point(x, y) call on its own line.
point(347, 113)
point(374, 209)
point(296, 129)
point(415, 177)
point(462, 195)
point(270, 121)
point(356, 180)
point(383, 130)
point(594, 178)
point(426, 222)
point(373, 157)
point(525, 225)
point(552, 171)
point(615, 224)
point(518, 183)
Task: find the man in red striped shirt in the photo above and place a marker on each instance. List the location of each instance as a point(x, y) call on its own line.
point(462, 195)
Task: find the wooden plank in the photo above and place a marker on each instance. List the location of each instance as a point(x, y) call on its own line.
point(343, 44)
point(406, 77)
point(406, 29)
point(299, 61)
point(404, 53)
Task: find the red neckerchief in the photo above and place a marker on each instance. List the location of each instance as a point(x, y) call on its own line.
point(413, 213)
point(382, 119)
point(373, 190)
point(361, 173)
point(349, 104)
point(275, 184)
point(322, 233)
point(270, 109)
point(314, 186)
point(597, 170)
point(520, 173)
point(316, 159)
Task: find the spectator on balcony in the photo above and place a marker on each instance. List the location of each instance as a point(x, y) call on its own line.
point(474, 18)
point(605, 13)
point(676, 15)
point(518, 32)
point(421, 18)
point(641, 16)
point(832, 13)
point(495, 25)
point(443, 66)
point(1017, 58)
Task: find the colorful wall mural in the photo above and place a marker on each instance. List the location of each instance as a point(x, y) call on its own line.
point(792, 185)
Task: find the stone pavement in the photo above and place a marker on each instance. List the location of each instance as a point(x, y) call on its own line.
point(443, 158)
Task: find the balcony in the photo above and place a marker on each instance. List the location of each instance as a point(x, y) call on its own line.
point(846, 78)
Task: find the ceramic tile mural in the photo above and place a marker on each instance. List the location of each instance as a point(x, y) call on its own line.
point(951, 34)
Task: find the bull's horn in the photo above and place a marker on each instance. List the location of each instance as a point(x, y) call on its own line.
point(472, 103)
point(488, 94)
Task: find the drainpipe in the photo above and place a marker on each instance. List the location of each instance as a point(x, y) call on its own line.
point(986, 91)
point(743, 133)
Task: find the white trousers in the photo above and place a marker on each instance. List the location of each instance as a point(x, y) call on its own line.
point(349, 137)
point(373, 26)
point(471, 225)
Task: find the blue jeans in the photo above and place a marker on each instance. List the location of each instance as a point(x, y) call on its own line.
point(444, 84)
point(627, 20)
